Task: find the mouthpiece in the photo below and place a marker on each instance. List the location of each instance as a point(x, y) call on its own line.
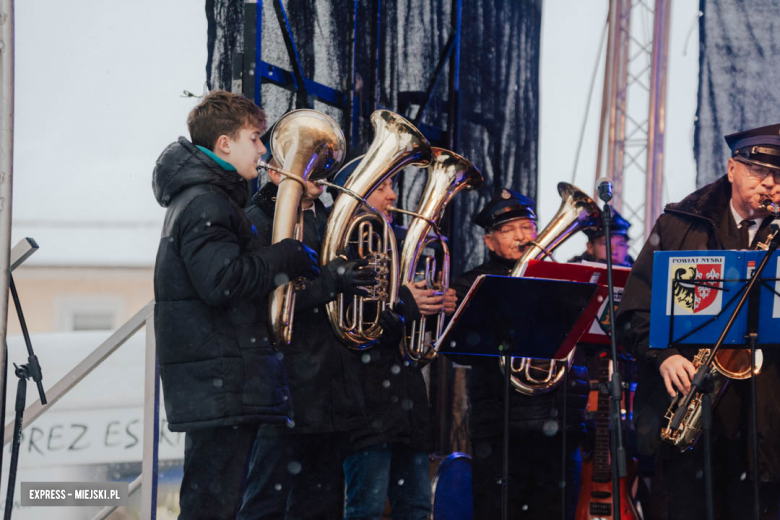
point(262, 165)
point(767, 204)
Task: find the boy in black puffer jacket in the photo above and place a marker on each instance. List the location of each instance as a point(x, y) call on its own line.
point(221, 377)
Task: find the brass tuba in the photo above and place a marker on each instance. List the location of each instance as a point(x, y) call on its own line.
point(397, 144)
point(728, 364)
point(576, 212)
point(308, 145)
point(448, 174)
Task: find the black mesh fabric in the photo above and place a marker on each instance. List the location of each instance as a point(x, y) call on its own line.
point(739, 64)
point(499, 82)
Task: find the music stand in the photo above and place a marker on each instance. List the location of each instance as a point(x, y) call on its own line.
point(744, 317)
point(519, 317)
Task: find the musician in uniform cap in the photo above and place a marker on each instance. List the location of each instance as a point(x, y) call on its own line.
point(726, 214)
point(509, 221)
point(596, 248)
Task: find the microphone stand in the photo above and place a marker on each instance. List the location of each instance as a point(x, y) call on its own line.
point(616, 389)
point(31, 370)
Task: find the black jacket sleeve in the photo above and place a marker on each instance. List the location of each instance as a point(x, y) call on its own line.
point(633, 317)
point(211, 252)
point(411, 311)
point(317, 292)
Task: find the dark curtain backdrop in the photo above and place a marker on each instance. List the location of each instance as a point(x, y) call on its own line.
point(739, 77)
point(499, 81)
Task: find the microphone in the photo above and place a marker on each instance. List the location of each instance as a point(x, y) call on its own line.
point(604, 187)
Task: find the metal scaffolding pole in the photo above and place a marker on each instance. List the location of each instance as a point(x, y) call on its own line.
point(620, 16)
point(633, 111)
point(6, 154)
point(657, 120)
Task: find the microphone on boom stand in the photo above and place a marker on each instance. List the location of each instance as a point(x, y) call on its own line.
point(618, 454)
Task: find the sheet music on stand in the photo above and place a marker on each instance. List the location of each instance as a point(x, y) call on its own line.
point(694, 293)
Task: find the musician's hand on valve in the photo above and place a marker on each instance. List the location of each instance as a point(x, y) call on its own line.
point(429, 301)
point(300, 260)
point(677, 372)
point(352, 276)
point(450, 301)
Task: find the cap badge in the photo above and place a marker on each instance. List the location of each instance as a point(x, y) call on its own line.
point(505, 194)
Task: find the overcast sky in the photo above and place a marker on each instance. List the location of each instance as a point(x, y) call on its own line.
point(98, 96)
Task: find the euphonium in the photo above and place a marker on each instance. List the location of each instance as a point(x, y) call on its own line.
point(308, 145)
point(397, 144)
point(728, 364)
point(576, 212)
point(448, 174)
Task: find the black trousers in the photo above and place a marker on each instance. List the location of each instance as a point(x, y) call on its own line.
point(296, 477)
point(732, 489)
point(215, 463)
point(534, 477)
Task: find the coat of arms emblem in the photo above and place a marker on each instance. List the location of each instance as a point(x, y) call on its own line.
point(696, 286)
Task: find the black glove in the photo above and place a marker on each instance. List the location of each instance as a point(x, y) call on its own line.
point(351, 276)
point(300, 260)
point(392, 323)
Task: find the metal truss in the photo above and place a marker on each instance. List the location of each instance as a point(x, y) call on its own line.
point(631, 135)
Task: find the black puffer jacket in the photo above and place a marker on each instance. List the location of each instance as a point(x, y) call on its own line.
point(486, 383)
point(322, 373)
point(700, 221)
point(216, 364)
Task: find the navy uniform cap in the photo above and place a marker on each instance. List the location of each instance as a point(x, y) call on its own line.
point(758, 146)
point(618, 226)
point(504, 206)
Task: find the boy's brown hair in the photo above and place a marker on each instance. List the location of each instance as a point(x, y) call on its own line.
point(222, 113)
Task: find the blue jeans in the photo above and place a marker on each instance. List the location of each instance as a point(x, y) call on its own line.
point(385, 471)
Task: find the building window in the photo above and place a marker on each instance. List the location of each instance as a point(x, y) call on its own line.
point(89, 313)
point(93, 321)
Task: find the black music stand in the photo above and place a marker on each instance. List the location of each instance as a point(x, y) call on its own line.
point(518, 317)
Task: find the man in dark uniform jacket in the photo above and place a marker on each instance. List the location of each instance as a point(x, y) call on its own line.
point(296, 471)
point(723, 215)
point(509, 221)
point(220, 375)
point(596, 248)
